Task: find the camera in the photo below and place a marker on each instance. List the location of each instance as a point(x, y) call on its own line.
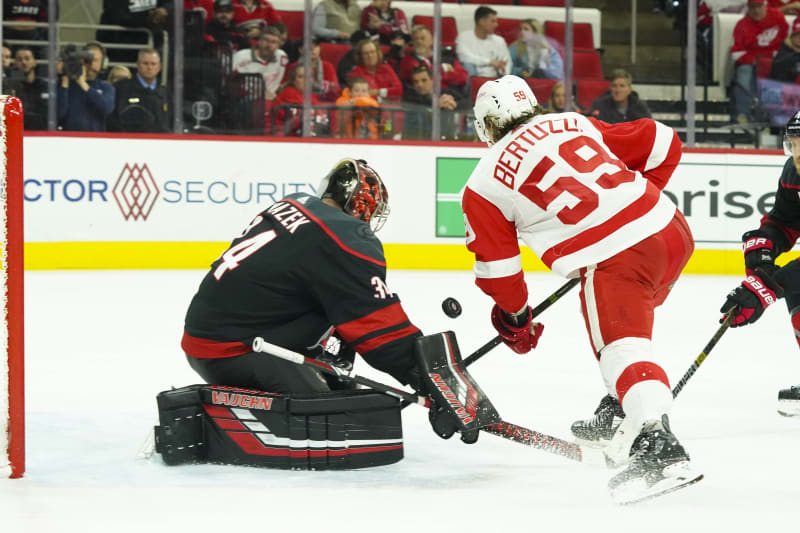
point(73, 59)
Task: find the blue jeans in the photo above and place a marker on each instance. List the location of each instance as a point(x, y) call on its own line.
point(743, 90)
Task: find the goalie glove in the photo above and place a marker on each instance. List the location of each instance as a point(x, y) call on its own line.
point(517, 330)
point(748, 301)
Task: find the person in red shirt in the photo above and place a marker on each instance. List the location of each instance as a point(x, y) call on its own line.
point(288, 120)
point(251, 16)
point(759, 33)
point(384, 20)
point(787, 7)
point(454, 77)
point(325, 83)
point(383, 82)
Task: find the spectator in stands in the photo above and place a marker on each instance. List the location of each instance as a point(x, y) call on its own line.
point(383, 82)
point(418, 103)
point(481, 52)
point(336, 20)
point(205, 7)
point(324, 83)
point(141, 102)
point(151, 14)
point(252, 16)
point(759, 33)
point(620, 103)
point(454, 77)
point(266, 59)
point(786, 65)
point(349, 61)
point(380, 18)
point(21, 11)
point(787, 7)
point(558, 98)
point(288, 120)
point(8, 61)
point(31, 89)
point(531, 54)
point(397, 49)
point(222, 28)
point(361, 123)
point(292, 48)
point(117, 73)
point(84, 100)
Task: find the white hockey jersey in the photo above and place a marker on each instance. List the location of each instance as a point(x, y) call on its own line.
point(246, 61)
point(576, 190)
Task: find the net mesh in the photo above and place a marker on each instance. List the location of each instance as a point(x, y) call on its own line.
point(5, 468)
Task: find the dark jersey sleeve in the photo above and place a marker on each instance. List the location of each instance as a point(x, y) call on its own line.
point(782, 223)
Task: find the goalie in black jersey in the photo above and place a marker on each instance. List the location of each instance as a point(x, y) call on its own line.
point(765, 282)
point(304, 269)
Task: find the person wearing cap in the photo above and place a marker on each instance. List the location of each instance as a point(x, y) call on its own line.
point(336, 20)
point(384, 20)
point(758, 34)
point(786, 65)
point(222, 27)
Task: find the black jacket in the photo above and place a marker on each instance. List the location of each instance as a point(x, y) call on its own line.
point(785, 65)
point(604, 108)
point(139, 109)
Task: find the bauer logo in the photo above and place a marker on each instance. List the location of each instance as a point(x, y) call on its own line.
point(135, 191)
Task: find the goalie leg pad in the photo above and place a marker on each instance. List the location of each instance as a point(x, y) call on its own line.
point(328, 431)
point(449, 384)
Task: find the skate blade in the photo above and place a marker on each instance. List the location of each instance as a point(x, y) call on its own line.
point(637, 491)
point(789, 408)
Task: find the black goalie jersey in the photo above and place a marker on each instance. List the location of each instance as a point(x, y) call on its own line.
point(300, 267)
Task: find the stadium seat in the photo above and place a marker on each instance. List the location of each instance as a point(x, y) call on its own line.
point(493, 2)
point(586, 65)
point(763, 66)
point(544, 3)
point(475, 84)
point(294, 23)
point(541, 88)
point(449, 29)
point(581, 37)
point(333, 52)
point(588, 90)
point(508, 29)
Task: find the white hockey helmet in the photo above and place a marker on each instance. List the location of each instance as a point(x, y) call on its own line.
point(501, 101)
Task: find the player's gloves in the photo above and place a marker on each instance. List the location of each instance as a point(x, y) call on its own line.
point(517, 330)
point(442, 420)
point(748, 301)
point(759, 251)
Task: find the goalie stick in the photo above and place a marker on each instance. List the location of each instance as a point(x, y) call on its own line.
point(506, 430)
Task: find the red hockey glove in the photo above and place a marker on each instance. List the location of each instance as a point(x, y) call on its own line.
point(518, 333)
point(748, 300)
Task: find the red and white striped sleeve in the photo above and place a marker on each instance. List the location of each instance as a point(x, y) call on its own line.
point(646, 145)
point(498, 263)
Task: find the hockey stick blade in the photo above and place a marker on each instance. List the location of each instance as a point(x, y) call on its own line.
point(544, 442)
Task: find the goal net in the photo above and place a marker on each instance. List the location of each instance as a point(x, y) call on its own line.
point(12, 406)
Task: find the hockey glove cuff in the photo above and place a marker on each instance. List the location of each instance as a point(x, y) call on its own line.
point(748, 300)
point(517, 331)
point(759, 251)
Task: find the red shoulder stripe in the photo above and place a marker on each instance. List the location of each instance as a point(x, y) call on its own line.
point(386, 317)
point(327, 230)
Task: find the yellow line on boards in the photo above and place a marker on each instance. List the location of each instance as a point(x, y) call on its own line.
point(200, 255)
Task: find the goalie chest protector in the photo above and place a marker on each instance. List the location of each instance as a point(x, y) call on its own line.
point(330, 431)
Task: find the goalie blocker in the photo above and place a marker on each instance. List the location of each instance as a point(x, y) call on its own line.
point(330, 431)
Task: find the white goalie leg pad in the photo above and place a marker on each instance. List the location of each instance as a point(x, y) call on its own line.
point(631, 375)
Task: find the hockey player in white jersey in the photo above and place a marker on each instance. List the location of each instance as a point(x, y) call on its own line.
point(585, 197)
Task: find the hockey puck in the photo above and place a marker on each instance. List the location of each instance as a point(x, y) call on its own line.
point(451, 307)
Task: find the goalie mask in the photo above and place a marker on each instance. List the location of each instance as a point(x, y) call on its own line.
point(500, 102)
point(358, 189)
point(791, 137)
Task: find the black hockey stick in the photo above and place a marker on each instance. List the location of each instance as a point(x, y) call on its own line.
point(512, 432)
point(536, 311)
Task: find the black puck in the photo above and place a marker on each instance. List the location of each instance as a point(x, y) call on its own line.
point(451, 307)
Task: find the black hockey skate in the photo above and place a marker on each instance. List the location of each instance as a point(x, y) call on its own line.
point(789, 401)
point(658, 465)
point(599, 429)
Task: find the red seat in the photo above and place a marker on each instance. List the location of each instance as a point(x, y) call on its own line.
point(581, 34)
point(589, 90)
point(586, 65)
point(493, 2)
point(541, 88)
point(508, 29)
point(763, 66)
point(549, 3)
point(476, 82)
point(294, 23)
point(449, 29)
point(333, 52)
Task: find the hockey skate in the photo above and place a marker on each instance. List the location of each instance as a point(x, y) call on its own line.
point(789, 401)
point(658, 465)
point(598, 430)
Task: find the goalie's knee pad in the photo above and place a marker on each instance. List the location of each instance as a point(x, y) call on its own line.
point(329, 431)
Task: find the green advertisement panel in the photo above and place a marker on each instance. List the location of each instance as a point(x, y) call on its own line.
point(452, 174)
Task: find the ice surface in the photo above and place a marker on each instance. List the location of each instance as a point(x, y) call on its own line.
point(101, 345)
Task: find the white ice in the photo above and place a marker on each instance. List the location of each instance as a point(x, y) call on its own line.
point(101, 345)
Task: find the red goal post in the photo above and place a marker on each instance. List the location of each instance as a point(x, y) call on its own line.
point(12, 391)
